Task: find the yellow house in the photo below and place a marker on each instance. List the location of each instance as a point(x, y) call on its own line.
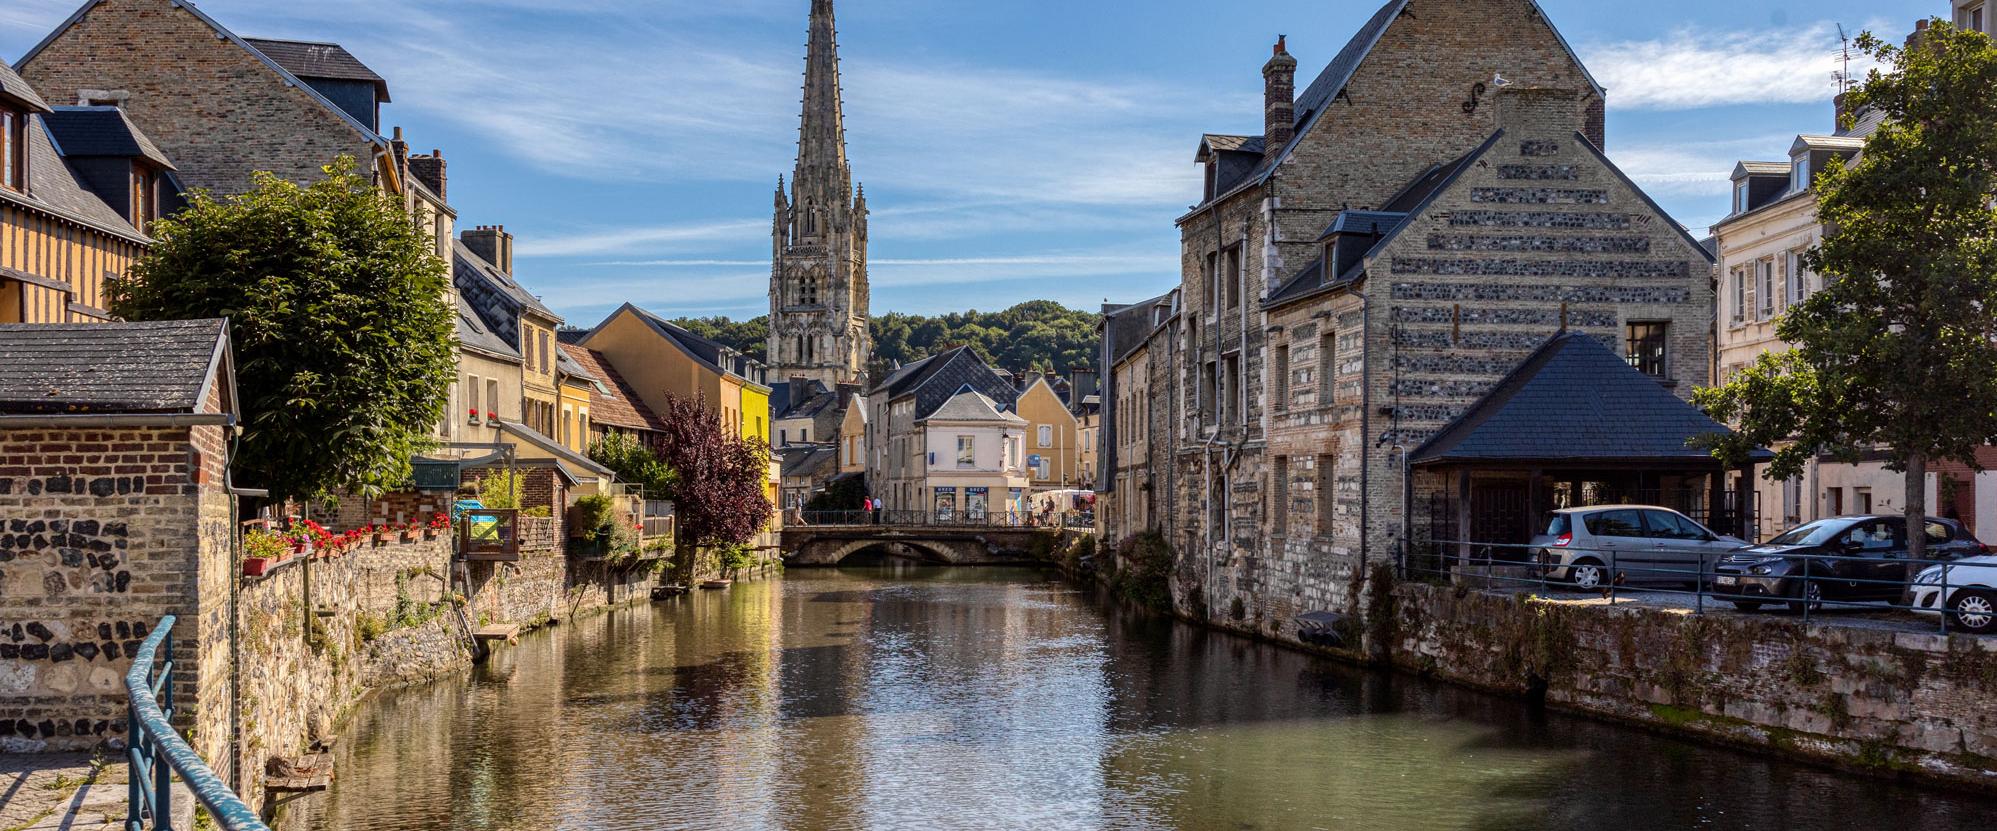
point(573, 386)
point(1053, 442)
point(853, 437)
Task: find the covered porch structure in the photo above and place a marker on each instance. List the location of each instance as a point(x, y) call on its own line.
point(1573, 425)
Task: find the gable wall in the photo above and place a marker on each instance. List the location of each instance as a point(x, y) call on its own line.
point(216, 110)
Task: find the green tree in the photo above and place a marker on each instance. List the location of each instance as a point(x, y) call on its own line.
point(1039, 334)
point(634, 463)
point(1898, 352)
point(335, 301)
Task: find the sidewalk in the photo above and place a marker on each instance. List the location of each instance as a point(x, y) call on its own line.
point(71, 792)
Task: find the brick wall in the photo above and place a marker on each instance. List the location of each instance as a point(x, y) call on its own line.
point(215, 109)
point(101, 533)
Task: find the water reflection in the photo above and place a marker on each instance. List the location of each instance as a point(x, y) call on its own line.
point(998, 699)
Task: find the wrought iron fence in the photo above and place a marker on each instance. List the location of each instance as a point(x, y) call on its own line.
point(156, 751)
point(947, 519)
point(1960, 596)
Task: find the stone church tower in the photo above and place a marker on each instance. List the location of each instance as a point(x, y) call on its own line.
point(818, 239)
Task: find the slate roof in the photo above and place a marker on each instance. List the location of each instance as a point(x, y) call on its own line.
point(54, 187)
point(1127, 326)
point(474, 334)
point(101, 131)
point(567, 365)
point(12, 86)
point(116, 367)
point(1222, 143)
point(1760, 169)
point(805, 460)
point(616, 402)
point(805, 402)
point(555, 448)
point(1574, 400)
point(971, 405)
point(318, 59)
point(472, 264)
point(938, 378)
point(707, 351)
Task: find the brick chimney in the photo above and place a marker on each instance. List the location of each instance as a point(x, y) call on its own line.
point(492, 243)
point(430, 171)
point(1538, 111)
point(846, 394)
point(1279, 100)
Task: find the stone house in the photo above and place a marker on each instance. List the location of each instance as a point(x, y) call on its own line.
point(114, 511)
point(69, 217)
point(1128, 459)
point(1432, 208)
point(896, 450)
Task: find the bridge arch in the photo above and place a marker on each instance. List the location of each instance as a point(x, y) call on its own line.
point(920, 550)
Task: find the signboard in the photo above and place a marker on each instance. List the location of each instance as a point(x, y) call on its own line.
point(489, 534)
point(432, 475)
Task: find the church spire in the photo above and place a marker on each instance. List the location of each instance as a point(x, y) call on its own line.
point(821, 139)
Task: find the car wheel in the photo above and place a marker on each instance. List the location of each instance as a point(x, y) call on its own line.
point(1975, 610)
point(1809, 596)
point(1588, 574)
point(1747, 605)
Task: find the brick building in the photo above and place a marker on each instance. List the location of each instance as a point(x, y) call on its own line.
point(114, 511)
point(1431, 209)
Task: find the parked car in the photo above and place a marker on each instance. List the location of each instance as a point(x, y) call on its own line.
point(1966, 587)
point(1843, 558)
point(1591, 547)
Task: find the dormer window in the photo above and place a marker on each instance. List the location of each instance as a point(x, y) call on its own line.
point(145, 197)
point(13, 149)
point(1740, 196)
point(1799, 174)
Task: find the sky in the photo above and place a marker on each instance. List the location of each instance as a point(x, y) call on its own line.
point(1011, 149)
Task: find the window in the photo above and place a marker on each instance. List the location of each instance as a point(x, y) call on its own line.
point(492, 397)
point(13, 149)
point(966, 451)
point(803, 433)
point(144, 199)
point(471, 397)
point(1282, 373)
point(1792, 500)
point(1044, 435)
point(1645, 347)
point(1626, 523)
point(1739, 278)
point(1213, 280)
point(1740, 196)
point(1279, 497)
point(1793, 274)
point(1799, 174)
point(1327, 366)
point(1764, 284)
point(1209, 392)
point(1671, 526)
point(1230, 393)
point(1834, 501)
point(547, 357)
point(1862, 499)
point(1234, 278)
point(1323, 490)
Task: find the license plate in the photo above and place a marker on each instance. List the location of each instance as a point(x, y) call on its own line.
point(1727, 581)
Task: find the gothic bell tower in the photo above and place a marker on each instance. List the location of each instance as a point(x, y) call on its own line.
point(818, 237)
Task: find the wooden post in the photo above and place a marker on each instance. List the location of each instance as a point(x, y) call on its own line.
point(1717, 502)
point(1463, 514)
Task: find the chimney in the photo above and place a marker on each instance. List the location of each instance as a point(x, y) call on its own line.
point(1539, 111)
point(492, 243)
point(797, 383)
point(1279, 100)
point(846, 394)
point(1920, 32)
point(1082, 380)
point(430, 171)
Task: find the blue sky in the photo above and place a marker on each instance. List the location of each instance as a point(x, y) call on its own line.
point(1011, 150)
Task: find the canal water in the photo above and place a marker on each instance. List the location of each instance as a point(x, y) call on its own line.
point(922, 698)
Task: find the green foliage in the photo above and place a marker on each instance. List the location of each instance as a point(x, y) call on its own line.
point(1037, 334)
point(734, 557)
point(1898, 352)
point(1144, 570)
point(594, 513)
point(635, 463)
point(540, 511)
point(343, 344)
point(500, 490)
point(258, 542)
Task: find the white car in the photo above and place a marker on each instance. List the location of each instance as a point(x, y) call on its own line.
point(1970, 596)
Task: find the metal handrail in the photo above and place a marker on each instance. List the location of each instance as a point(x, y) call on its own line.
point(1446, 555)
point(156, 751)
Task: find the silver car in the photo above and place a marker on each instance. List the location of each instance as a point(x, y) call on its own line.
point(1640, 544)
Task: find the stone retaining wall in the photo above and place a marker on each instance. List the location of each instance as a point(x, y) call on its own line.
point(1892, 701)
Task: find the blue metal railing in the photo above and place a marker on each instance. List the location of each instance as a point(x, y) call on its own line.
point(156, 752)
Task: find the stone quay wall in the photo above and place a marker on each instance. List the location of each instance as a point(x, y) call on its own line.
point(1896, 702)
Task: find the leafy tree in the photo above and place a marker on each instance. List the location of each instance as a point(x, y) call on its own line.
point(343, 342)
point(1898, 352)
point(719, 498)
point(1037, 334)
point(750, 337)
point(635, 463)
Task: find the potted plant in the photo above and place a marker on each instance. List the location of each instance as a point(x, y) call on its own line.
point(474, 415)
point(439, 523)
point(263, 549)
point(378, 535)
point(491, 417)
point(408, 533)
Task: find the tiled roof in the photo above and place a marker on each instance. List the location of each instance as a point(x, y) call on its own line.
point(118, 367)
point(567, 365)
point(1574, 400)
point(807, 401)
point(620, 407)
point(970, 405)
point(805, 460)
point(315, 59)
point(1221, 143)
point(101, 131)
point(12, 86)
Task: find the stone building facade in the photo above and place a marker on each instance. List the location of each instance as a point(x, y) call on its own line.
point(818, 236)
point(1429, 210)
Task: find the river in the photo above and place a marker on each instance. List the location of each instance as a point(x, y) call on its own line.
point(922, 698)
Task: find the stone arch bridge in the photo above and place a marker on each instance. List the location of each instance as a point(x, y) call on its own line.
point(829, 545)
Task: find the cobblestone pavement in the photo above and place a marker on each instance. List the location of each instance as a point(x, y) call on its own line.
point(71, 792)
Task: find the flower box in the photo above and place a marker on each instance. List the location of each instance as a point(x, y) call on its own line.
point(408, 535)
point(256, 566)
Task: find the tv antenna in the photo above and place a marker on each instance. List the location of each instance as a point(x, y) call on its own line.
point(1844, 57)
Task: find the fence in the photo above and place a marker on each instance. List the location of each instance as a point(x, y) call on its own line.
point(156, 751)
point(949, 519)
point(1961, 596)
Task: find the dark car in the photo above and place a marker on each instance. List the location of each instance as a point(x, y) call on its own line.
point(1843, 558)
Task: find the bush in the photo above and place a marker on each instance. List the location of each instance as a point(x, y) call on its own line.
point(500, 490)
point(734, 557)
point(593, 515)
point(1144, 569)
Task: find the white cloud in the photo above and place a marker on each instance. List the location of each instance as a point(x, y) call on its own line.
point(699, 235)
point(1694, 68)
point(1695, 168)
